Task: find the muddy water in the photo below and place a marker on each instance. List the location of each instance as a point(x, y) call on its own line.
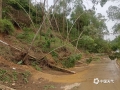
point(104, 68)
point(105, 71)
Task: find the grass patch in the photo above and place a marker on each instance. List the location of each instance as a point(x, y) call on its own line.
point(6, 27)
point(4, 76)
point(36, 66)
point(96, 59)
point(26, 74)
point(27, 35)
point(15, 75)
point(10, 76)
point(54, 54)
point(89, 60)
point(46, 87)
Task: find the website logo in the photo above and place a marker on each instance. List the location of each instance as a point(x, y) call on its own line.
point(105, 81)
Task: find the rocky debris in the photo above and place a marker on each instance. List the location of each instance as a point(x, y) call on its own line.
point(3, 87)
point(69, 87)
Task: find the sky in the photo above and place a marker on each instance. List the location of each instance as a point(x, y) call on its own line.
point(101, 10)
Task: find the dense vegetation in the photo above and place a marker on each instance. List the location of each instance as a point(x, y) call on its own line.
point(114, 14)
point(60, 25)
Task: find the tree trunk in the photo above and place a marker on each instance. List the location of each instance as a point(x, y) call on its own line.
point(0, 9)
point(36, 11)
point(29, 7)
point(44, 14)
point(64, 15)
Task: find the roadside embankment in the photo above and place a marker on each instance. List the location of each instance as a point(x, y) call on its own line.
point(118, 62)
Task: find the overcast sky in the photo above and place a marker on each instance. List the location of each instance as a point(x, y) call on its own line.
point(99, 9)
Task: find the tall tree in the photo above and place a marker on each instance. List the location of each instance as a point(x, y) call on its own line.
point(0, 9)
point(63, 8)
point(113, 13)
point(102, 2)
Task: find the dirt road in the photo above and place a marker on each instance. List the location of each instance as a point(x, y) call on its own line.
point(101, 75)
point(106, 74)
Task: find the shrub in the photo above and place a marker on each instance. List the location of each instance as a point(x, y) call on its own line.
point(115, 55)
point(112, 57)
point(89, 60)
point(54, 54)
point(87, 43)
point(6, 27)
point(102, 46)
point(70, 61)
point(14, 4)
point(36, 66)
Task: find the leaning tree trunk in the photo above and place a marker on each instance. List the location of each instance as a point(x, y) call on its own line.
point(0, 9)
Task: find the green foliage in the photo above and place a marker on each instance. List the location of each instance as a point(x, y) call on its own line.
point(15, 75)
point(91, 25)
point(13, 3)
point(117, 55)
point(102, 2)
point(47, 41)
point(18, 5)
point(54, 54)
point(27, 35)
point(116, 27)
point(87, 43)
point(115, 44)
point(113, 12)
point(47, 87)
point(97, 45)
point(112, 57)
point(8, 76)
point(36, 66)
point(20, 62)
point(71, 60)
point(89, 60)
point(102, 46)
point(4, 76)
point(6, 27)
point(25, 75)
point(74, 34)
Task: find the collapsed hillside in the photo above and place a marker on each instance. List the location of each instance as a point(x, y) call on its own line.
point(44, 37)
point(42, 40)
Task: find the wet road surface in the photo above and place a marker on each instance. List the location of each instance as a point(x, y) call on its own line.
point(102, 75)
point(105, 71)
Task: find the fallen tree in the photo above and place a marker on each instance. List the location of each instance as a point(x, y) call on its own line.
point(3, 87)
point(40, 60)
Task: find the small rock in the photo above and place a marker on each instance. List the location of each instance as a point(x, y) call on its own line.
point(13, 84)
point(69, 87)
point(14, 68)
